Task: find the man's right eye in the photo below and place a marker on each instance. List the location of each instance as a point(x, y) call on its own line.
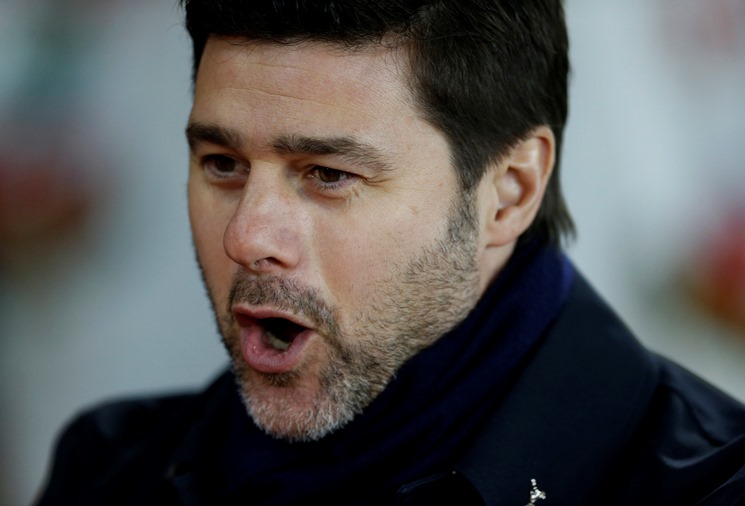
point(219, 165)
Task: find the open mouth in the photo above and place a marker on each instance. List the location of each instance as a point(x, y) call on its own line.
point(271, 343)
point(280, 333)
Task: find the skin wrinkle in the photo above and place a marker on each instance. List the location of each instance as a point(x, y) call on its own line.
point(360, 108)
point(291, 97)
point(394, 55)
point(290, 85)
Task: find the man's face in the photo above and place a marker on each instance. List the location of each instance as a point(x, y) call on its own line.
point(328, 224)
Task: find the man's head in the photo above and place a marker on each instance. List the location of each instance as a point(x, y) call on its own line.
point(352, 193)
point(484, 72)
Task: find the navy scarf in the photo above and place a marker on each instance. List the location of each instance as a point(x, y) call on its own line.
point(419, 425)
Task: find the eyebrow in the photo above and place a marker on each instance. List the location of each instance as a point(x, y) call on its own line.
point(346, 148)
point(204, 132)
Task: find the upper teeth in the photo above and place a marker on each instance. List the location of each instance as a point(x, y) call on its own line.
point(276, 342)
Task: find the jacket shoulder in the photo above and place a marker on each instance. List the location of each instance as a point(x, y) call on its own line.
point(691, 446)
point(123, 422)
point(99, 441)
point(94, 440)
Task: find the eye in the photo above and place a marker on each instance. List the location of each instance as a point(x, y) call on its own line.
point(333, 183)
point(224, 170)
point(219, 164)
point(329, 180)
point(330, 176)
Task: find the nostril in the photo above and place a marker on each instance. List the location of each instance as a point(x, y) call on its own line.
point(261, 241)
point(251, 249)
point(264, 263)
point(268, 227)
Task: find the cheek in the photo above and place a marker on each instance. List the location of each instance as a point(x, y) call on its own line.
point(356, 258)
point(208, 227)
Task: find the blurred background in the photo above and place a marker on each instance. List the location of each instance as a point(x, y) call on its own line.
point(99, 293)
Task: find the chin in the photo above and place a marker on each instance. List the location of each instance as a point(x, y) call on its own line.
point(292, 407)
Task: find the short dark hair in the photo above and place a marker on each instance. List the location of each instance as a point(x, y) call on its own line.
point(484, 72)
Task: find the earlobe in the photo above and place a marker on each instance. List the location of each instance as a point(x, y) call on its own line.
point(520, 181)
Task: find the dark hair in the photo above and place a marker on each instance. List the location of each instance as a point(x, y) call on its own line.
point(485, 72)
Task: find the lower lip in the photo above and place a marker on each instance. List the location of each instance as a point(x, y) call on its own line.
point(260, 356)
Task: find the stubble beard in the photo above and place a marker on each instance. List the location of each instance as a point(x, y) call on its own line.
point(406, 312)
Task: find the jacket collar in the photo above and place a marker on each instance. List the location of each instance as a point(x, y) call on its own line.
point(569, 413)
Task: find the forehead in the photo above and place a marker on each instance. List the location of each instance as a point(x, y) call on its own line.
point(306, 78)
point(374, 63)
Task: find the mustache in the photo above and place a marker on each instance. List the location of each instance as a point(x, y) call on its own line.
point(285, 295)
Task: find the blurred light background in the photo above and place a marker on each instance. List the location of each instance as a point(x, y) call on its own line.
point(99, 294)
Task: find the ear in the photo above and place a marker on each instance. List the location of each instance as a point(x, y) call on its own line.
point(519, 182)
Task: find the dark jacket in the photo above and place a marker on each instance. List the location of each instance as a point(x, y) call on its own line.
point(594, 418)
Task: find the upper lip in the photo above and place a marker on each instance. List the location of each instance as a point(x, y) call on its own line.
point(246, 315)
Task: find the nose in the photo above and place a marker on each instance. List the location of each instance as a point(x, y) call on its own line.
point(264, 234)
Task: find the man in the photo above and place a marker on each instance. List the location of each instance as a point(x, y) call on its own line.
point(375, 205)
